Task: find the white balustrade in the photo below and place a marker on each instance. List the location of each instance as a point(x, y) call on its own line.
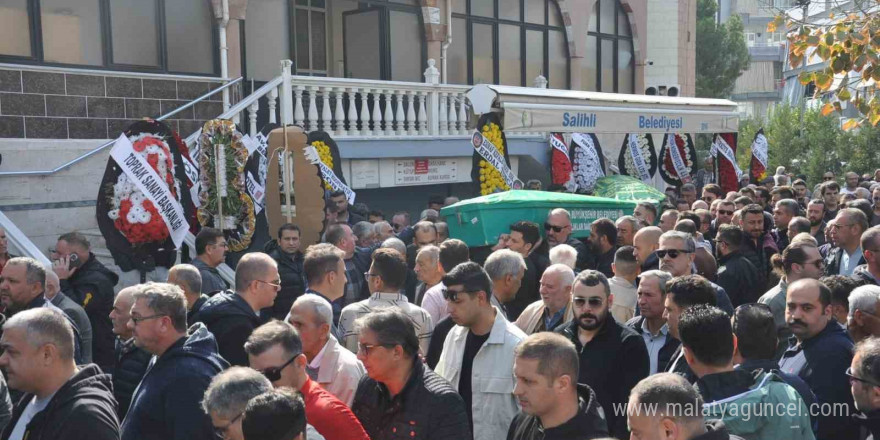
point(411, 113)
point(462, 116)
point(400, 116)
point(252, 113)
point(326, 114)
point(273, 100)
point(365, 113)
point(377, 112)
point(453, 116)
point(423, 114)
point(298, 114)
point(389, 114)
point(352, 112)
point(313, 110)
point(443, 115)
point(340, 112)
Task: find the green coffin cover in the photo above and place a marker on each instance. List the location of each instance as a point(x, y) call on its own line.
point(627, 188)
point(479, 221)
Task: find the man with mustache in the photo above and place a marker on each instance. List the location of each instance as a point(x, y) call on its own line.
point(820, 355)
point(613, 357)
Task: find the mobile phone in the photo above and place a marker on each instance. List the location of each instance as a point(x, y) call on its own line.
point(74, 261)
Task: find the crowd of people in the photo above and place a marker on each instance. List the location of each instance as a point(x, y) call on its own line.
point(749, 314)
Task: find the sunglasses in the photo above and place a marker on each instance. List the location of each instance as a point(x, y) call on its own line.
point(274, 373)
point(365, 348)
point(725, 212)
point(853, 377)
point(592, 301)
point(673, 253)
point(827, 178)
point(708, 199)
point(557, 229)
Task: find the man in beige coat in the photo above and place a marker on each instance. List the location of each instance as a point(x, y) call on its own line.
point(336, 369)
point(554, 307)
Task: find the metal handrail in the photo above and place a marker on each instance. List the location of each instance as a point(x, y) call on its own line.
point(21, 241)
point(111, 142)
point(241, 105)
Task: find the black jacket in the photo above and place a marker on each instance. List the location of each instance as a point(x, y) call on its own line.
point(191, 314)
point(82, 409)
point(715, 430)
point(438, 337)
point(78, 315)
point(91, 286)
point(666, 351)
point(759, 253)
point(611, 364)
point(131, 364)
point(528, 291)
point(651, 263)
point(232, 320)
point(739, 278)
point(863, 275)
point(167, 402)
point(293, 283)
point(428, 408)
point(833, 260)
point(681, 367)
point(821, 362)
point(603, 262)
point(585, 258)
point(588, 423)
point(870, 423)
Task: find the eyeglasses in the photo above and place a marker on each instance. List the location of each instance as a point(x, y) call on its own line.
point(223, 244)
point(827, 178)
point(708, 199)
point(673, 253)
point(274, 373)
point(853, 377)
point(396, 226)
point(556, 229)
point(368, 275)
point(365, 348)
point(137, 319)
point(725, 212)
point(820, 263)
point(593, 301)
point(452, 295)
point(223, 431)
point(276, 285)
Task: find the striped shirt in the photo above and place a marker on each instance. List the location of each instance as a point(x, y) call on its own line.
point(421, 319)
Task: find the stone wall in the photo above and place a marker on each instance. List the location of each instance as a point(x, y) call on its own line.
point(68, 105)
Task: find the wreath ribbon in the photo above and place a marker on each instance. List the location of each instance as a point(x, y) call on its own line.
point(638, 159)
point(677, 161)
point(720, 146)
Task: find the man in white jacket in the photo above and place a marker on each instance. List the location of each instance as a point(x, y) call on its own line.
point(478, 353)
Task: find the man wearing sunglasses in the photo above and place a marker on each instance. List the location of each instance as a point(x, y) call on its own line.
point(864, 382)
point(677, 254)
point(557, 229)
point(402, 397)
point(166, 403)
point(613, 358)
point(228, 395)
point(849, 226)
point(479, 351)
point(232, 316)
point(820, 353)
point(276, 350)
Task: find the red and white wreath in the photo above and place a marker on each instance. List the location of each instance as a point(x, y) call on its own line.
point(133, 214)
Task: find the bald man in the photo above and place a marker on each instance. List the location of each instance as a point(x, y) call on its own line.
point(645, 242)
point(233, 316)
point(554, 307)
point(73, 310)
point(189, 279)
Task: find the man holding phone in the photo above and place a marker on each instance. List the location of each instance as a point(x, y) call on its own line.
point(90, 284)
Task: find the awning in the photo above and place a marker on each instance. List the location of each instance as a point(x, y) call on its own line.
point(527, 109)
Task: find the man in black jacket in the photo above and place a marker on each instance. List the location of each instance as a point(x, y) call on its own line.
point(166, 402)
point(524, 237)
point(864, 379)
point(399, 391)
point(681, 293)
point(737, 275)
point(613, 358)
point(61, 400)
point(759, 245)
point(131, 360)
point(232, 316)
point(557, 228)
point(849, 226)
point(603, 244)
point(73, 310)
point(90, 284)
point(189, 279)
point(651, 323)
point(546, 370)
point(286, 253)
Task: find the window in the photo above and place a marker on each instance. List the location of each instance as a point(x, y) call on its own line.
point(508, 42)
point(383, 39)
point(610, 62)
point(310, 37)
point(163, 36)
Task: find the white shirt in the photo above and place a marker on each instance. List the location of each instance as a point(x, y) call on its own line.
point(421, 319)
point(33, 408)
point(435, 304)
point(316, 362)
